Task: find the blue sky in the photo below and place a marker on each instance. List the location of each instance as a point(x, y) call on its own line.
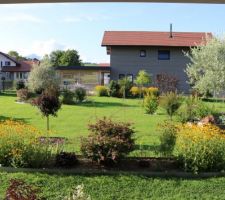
point(40, 28)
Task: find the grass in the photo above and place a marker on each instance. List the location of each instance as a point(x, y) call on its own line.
point(72, 122)
point(121, 187)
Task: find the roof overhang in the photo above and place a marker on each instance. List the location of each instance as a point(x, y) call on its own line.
point(84, 68)
point(80, 1)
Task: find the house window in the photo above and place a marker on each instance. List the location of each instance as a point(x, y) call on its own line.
point(130, 77)
point(143, 53)
point(121, 76)
point(163, 55)
point(7, 63)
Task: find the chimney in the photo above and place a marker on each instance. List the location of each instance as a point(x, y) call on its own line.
point(171, 30)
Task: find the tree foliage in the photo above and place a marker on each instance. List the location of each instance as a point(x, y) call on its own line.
point(65, 58)
point(206, 71)
point(43, 77)
point(143, 78)
point(16, 55)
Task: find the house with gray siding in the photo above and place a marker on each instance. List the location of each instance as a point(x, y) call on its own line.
point(155, 52)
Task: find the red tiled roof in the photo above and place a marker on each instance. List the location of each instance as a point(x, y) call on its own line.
point(25, 66)
point(103, 64)
point(147, 38)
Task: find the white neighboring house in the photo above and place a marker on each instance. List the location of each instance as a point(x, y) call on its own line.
point(14, 70)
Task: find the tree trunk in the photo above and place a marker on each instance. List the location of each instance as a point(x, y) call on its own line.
point(47, 123)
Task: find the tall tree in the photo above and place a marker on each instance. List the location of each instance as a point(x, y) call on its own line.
point(16, 55)
point(65, 58)
point(206, 71)
point(43, 77)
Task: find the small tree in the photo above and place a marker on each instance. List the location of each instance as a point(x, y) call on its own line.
point(171, 102)
point(49, 104)
point(143, 78)
point(43, 76)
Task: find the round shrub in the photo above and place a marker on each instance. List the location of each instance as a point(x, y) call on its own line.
point(65, 159)
point(80, 94)
point(150, 104)
point(135, 91)
point(154, 91)
point(108, 141)
point(20, 85)
point(201, 148)
point(67, 97)
point(101, 90)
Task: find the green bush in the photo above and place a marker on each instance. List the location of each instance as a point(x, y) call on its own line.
point(114, 89)
point(101, 90)
point(108, 141)
point(194, 109)
point(167, 138)
point(170, 101)
point(80, 94)
point(67, 97)
point(150, 104)
point(20, 85)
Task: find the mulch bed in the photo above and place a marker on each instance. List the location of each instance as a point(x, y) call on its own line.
point(133, 164)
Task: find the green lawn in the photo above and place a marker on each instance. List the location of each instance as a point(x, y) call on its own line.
point(122, 187)
point(72, 122)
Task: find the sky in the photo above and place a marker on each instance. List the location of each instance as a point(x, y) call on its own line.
point(38, 29)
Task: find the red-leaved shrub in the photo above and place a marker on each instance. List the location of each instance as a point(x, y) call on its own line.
point(108, 141)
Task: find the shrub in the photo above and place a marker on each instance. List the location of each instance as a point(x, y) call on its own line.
point(19, 190)
point(201, 148)
point(65, 159)
point(80, 94)
point(125, 87)
point(193, 109)
point(135, 91)
point(20, 146)
point(167, 138)
point(114, 89)
point(78, 194)
point(101, 90)
point(167, 83)
point(150, 104)
point(20, 85)
point(154, 91)
point(23, 94)
point(108, 141)
point(171, 101)
point(67, 97)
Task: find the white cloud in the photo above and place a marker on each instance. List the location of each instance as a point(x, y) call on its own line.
point(87, 18)
point(19, 17)
point(45, 47)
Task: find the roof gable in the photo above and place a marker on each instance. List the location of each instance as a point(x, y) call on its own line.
point(150, 38)
point(10, 58)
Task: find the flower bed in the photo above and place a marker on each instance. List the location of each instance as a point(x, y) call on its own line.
point(20, 146)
